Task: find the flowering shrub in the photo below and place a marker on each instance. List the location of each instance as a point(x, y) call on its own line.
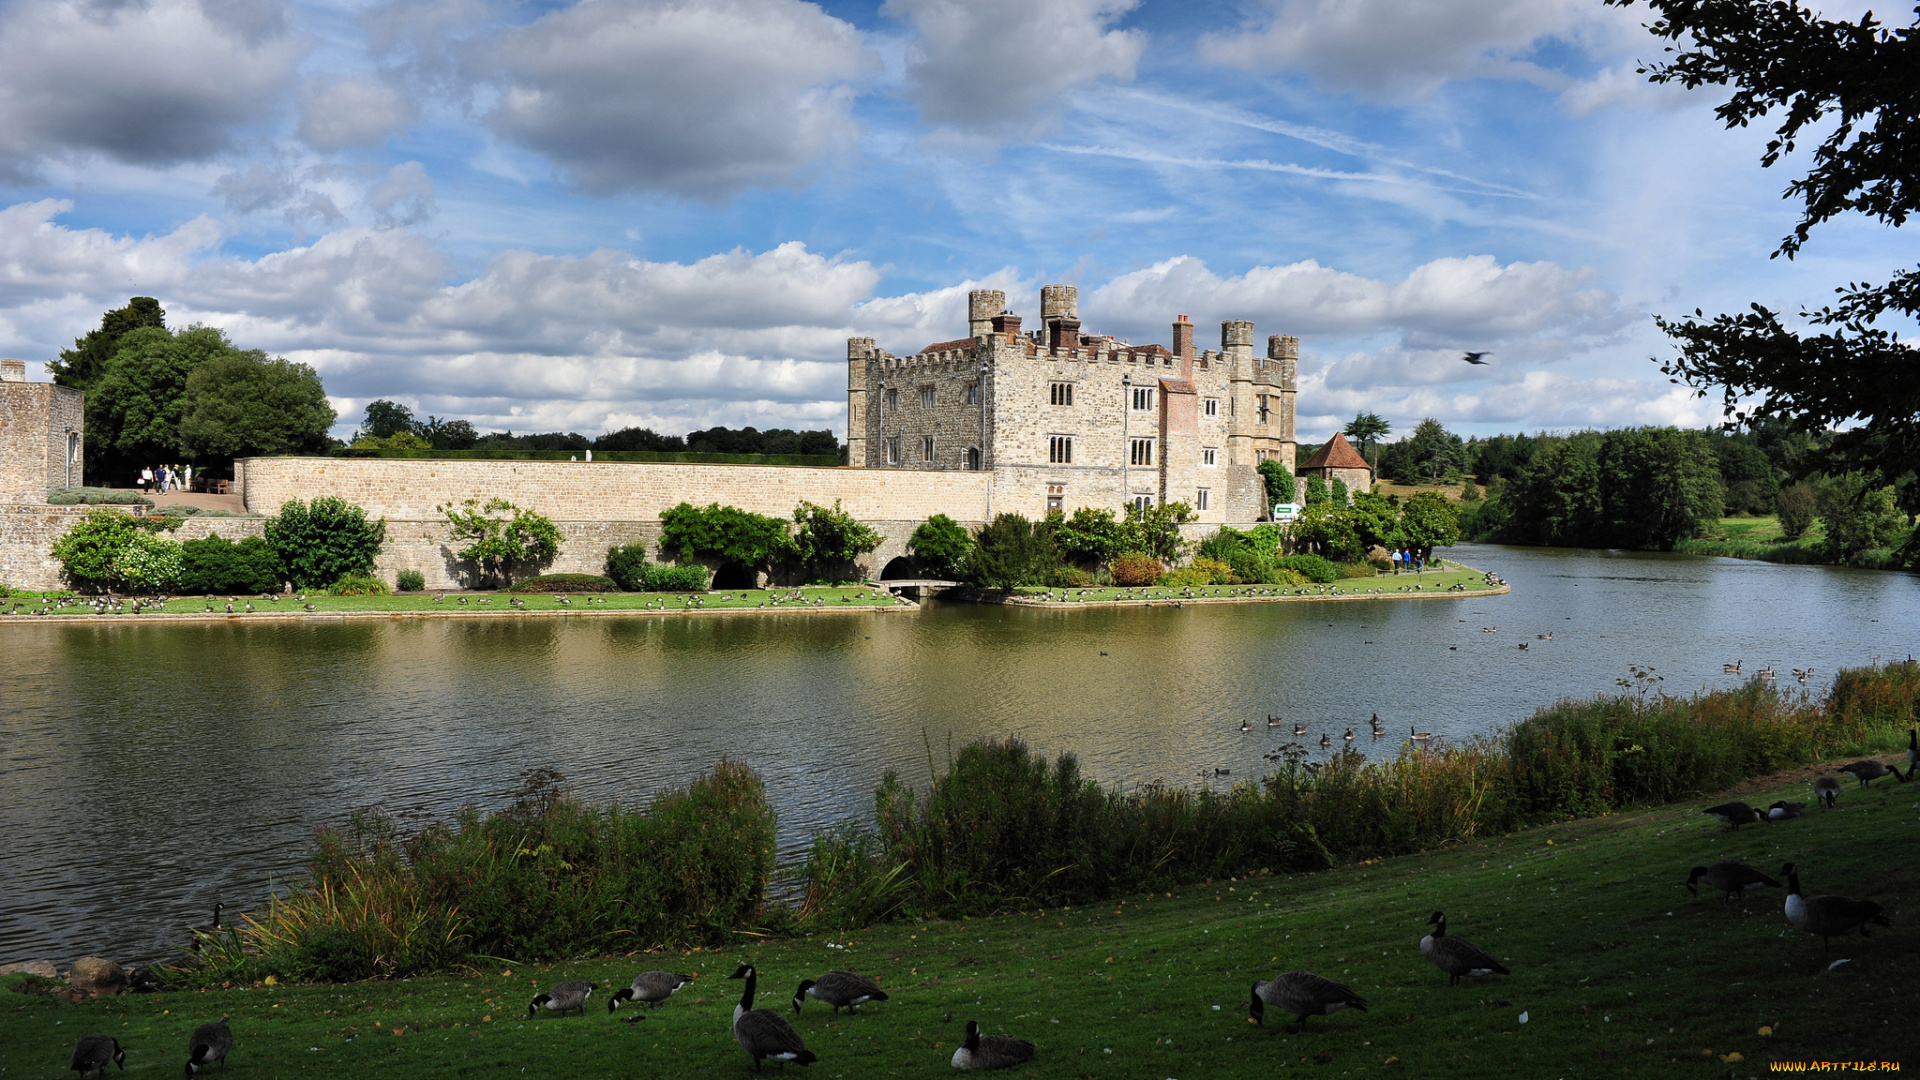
point(149, 563)
point(1135, 568)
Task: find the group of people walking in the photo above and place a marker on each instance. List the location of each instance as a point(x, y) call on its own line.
point(165, 478)
point(1409, 559)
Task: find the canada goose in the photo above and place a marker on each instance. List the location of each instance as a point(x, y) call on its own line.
point(979, 1051)
point(1303, 994)
point(1326, 741)
point(1913, 751)
point(564, 997)
point(1349, 735)
point(1730, 877)
point(1298, 729)
point(652, 987)
point(310, 607)
point(1273, 721)
point(1826, 791)
point(210, 1043)
point(1523, 646)
point(837, 988)
point(209, 929)
point(1378, 727)
point(1801, 674)
point(1765, 673)
point(92, 1052)
point(1867, 770)
point(1458, 957)
point(1782, 810)
point(763, 1033)
point(1246, 726)
point(1418, 736)
point(1735, 814)
point(1733, 668)
point(1828, 916)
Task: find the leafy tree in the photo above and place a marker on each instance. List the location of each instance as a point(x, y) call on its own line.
point(1555, 500)
point(1279, 481)
point(1749, 477)
point(402, 440)
point(1798, 507)
point(1858, 514)
point(1316, 490)
point(722, 440)
point(89, 552)
point(942, 546)
point(499, 544)
point(1854, 382)
point(1428, 521)
point(1008, 553)
point(447, 434)
point(134, 405)
point(725, 533)
point(1090, 537)
point(1337, 491)
point(1369, 428)
point(1434, 450)
point(1658, 486)
point(639, 438)
point(88, 359)
point(827, 541)
point(1470, 491)
point(241, 404)
point(385, 419)
point(1155, 530)
point(318, 543)
point(1332, 530)
point(1377, 519)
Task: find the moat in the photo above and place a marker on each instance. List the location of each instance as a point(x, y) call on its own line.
point(152, 770)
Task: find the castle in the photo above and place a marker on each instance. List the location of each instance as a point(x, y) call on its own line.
point(1063, 419)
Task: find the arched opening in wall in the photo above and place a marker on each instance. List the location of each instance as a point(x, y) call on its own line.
point(901, 568)
point(733, 575)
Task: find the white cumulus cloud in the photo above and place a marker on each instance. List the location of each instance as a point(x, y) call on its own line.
point(697, 99)
point(338, 113)
point(1001, 66)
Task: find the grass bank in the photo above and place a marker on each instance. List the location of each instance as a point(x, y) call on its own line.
point(1760, 538)
point(1617, 970)
point(1384, 586)
point(480, 604)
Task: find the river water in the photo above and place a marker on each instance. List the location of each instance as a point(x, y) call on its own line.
point(147, 771)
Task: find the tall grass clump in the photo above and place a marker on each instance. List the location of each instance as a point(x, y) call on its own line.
point(545, 878)
point(1006, 829)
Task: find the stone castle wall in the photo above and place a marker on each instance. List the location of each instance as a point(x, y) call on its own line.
point(34, 418)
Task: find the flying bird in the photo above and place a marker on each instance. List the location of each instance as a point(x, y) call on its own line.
point(1474, 358)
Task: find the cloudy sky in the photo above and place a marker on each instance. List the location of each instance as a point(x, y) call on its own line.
point(589, 215)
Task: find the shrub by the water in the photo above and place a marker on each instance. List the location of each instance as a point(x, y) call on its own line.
point(1314, 568)
point(321, 541)
point(359, 585)
point(410, 581)
point(689, 578)
point(214, 564)
point(546, 878)
point(1134, 569)
point(566, 583)
point(629, 568)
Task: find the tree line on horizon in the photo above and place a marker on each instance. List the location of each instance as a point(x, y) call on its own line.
point(392, 426)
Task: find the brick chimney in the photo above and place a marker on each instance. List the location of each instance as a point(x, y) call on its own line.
point(1183, 345)
point(1007, 323)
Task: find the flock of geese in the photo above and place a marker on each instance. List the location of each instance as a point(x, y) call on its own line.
point(1766, 674)
point(765, 1035)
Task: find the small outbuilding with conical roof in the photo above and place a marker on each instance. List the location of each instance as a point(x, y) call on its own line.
point(1338, 460)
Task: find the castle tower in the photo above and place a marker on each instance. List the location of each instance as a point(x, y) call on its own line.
point(982, 306)
point(860, 353)
point(1060, 314)
point(1236, 348)
point(1283, 352)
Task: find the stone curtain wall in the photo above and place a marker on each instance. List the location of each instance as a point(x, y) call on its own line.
point(34, 418)
point(410, 490)
point(27, 534)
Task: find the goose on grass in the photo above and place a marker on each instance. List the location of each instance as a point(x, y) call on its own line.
point(1829, 916)
point(1826, 791)
point(1782, 810)
point(979, 1051)
point(210, 1043)
point(838, 989)
point(564, 997)
point(1303, 994)
point(652, 987)
point(1867, 770)
point(1458, 957)
point(1734, 814)
point(1913, 751)
point(1729, 876)
point(762, 1033)
point(92, 1052)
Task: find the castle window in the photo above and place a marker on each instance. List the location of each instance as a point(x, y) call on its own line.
point(973, 458)
point(1142, 503)
point(893, 401)
point(1200, 499)
point(893, 450)
point(926, 397)
point(1263, 409)
point(1063, 393)
point(1056, 497)
point(926, 447)
point(1142, 398)
point(973, 393)
point(1213, 406)
point(1142, 452)
point(1060, 450)
point(1209, 456)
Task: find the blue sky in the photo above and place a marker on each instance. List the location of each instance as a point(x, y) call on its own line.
point(585, 216)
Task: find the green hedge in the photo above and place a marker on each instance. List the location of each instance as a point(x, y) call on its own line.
point(689, 456)
point(214, 564)
point(96, 496)
point(566, 583)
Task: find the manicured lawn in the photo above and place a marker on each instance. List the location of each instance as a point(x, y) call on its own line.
point(852, 596)
point(1617, 971)
point(1389, 585)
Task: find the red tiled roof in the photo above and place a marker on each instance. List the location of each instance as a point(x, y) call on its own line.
point(1337, 454)
point(1176, 386)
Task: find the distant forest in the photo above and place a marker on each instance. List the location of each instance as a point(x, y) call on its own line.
point(391, 425)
